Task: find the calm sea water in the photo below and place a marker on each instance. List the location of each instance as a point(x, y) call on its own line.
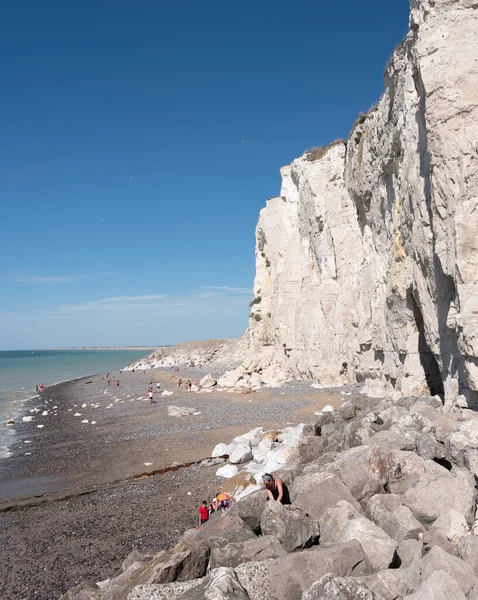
point(21, 370)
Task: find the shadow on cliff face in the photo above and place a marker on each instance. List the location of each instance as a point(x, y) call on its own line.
point(427, 359)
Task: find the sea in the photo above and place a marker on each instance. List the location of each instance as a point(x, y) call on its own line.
point(22, 370)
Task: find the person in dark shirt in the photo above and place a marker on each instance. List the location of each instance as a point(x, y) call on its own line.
point(276, 489)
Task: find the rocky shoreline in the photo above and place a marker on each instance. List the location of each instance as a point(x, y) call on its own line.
point(383, 508)
point(71, 507)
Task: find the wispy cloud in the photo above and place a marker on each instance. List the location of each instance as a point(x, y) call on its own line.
point(228, 290)
point(40, 280)
point(113, 299)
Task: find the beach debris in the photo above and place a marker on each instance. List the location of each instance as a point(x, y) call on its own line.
point(85, 421)
point(69, 410)
point(167, 393)
point(147, 464)
point(55, 406)
point(328, 408)
point(27, 453)
point(77, 415)
point(27, 442)
point(198, 412)
point(189, 494)
point(27, 419)
point(208, 381)
point(93, 422)
point(180, 411)
point(86, 382)
point(40, 426)
point(11, 422)
point(83, 406)
point(44, 413)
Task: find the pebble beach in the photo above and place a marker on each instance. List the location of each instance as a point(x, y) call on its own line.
point(77, 494)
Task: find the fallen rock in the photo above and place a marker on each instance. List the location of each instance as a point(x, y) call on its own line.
point(305, 491)
point(236, 553)
point(331, 587)
point(239, 453)
point(227, 471)
point(388, 512)
point(207, 381)
point(468, 551)
point(409, 552)
point(439, 560)
point(438, 586)
point(220, 450)
point(433, 538)
point(83, 591)
point(392, 584)
point(291, 575)
point(334, 520)
point(224, 526)
point(294, 529)
point(220, 584)
point(452, 525)
point(440, 490)
point(250, 509)
point(377, 545)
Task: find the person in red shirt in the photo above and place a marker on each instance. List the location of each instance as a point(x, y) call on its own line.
point(203, 513)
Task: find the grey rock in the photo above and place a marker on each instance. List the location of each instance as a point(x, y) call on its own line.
point(433, 538)
point(377, 545)
point(346, 411)
point(138, 557)
point(409, 552)
point(220, 584)
point(322, 420)
point(83, 591)
point(253, 576)
point(388, 512)
point(250, 509)
point(291, 575)
point(437, 491)
point(393, 583)
point(427, 447)
point(164, 591)
point(334, 520)
point(391, 441)
point(224, 526)
point(468, 551)
point(331, 587)
point(293, 528)
point(236, 553)
point(439, 560)
point(438, 586)
point(305, 490)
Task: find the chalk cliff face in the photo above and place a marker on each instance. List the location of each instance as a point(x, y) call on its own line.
point(367, 262)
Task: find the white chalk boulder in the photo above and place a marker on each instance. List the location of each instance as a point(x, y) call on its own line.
point(240, 453)
point(227, 471)
point(208, 381)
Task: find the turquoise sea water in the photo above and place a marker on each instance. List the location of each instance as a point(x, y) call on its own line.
point(21, 370)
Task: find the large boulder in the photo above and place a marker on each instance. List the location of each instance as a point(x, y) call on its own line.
point(438, 586)
point(388, 512)
point(83, 591)
point(439, 560)
point(452, 525)
point(223, 528)
point(207, 381)
point(291, 575)
point(240, 453)
point(305, 490)
point(393, 583)
point(461, 441)
point(220, 584)
point(437, 490)
point(236, 553)
point(409, 552)
point(468, 550)
point(294, 529)
point(331, 587)
point(378, 546)
point(250, 509)
point(334, 520)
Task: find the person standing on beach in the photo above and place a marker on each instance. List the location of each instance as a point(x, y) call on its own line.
point(190, 386)
point(117, 382)
point(158, 386)
point(150, 397)
point(203, 513)
point(36, 388)
point(180, 382)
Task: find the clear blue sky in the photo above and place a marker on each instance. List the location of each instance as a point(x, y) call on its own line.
point(128, 198)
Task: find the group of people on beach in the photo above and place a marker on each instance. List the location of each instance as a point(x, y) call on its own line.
point(39, 388)
point(275, 489)
point(187, 384)
point(149, 395)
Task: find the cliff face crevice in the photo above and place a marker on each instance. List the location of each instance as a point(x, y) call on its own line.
point(367, 263)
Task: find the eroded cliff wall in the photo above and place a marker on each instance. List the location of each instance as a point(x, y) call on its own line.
point(367, 262)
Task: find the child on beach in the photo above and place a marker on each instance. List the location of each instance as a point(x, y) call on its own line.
point(203, 513)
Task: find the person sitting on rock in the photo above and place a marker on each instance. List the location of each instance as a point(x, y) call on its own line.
point(276, 489)
point(222, 501)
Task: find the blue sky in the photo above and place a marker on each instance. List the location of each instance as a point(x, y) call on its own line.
point(139, 142)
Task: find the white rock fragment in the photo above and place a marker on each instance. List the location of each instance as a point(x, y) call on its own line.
point(328, 408)
point(40, 426)
point(77, 415)
point(27, 419)
point(227, 471)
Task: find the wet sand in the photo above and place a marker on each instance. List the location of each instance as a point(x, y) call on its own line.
point(71, 507)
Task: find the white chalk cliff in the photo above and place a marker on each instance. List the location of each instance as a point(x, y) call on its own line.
point(367, 262)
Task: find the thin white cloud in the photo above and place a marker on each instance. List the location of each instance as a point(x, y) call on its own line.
point(126, 299)
point(228, 290)
point(34, 279)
